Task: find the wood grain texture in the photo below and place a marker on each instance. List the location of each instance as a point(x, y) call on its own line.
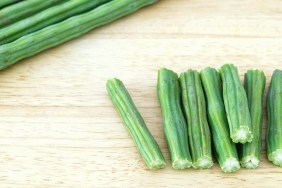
point(59, 128)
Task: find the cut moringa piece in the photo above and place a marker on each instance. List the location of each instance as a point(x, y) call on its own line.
point(254, 85)
point(175, 128)
point(146, 144)
point(193, 101)
point(236, 105)
point(274, 112)
point(225, 149)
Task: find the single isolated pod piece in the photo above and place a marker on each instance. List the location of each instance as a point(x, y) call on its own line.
point(145, 142)
point(24, 9)
point(47, 17)
point(236, 105)
point(66, 30)
point(175, 128)
point(254, 84)
point(224, 148)
point(193, 101)
point(274, 113)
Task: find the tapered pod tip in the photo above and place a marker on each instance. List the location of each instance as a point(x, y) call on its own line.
point(276, 157)
point(113, 81)
point(230, 165)
point(254, 71)
point(226, 66)
point(277, 70)
point(157, 164)
point(242, 135)
point(203, 163)
point(249, 161)
point(164, 70)
point(181, 164)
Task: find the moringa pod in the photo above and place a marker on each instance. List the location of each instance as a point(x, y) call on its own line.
point(274, 113)
point(24, 9)
point(224, 148)
point(236, 105)
point(145, 142)
point(254, 84)
point(175, 128)
point(66, 30)
point(4, 3)
point(47, 17)
point(193, 101)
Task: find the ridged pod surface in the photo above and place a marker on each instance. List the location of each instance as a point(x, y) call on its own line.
point(146, 144)
point(4, 3)
point(254, 84)
point(224, 148)
point(47, 17)
point(236, 105)
point(24, 9)
point(175, 128)
point(71, 28)
point(193, 101)
point(274, 113)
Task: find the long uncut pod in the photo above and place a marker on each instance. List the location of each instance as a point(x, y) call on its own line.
point(254, 85)
point(193, 101)
point(175, 128)
point(4, 3)
point(134, 123)
point(71, 28)
point(274, 113)
point(225, 149)
point(47, 17)
point(236, 105)
point(24, 9)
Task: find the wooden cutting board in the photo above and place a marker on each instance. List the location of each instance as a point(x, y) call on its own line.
point(59, 128)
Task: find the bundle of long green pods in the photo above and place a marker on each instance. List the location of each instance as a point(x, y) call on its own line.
point(208, 112)
point(30, 27)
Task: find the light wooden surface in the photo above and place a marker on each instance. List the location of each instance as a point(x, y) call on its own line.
point(59, 129)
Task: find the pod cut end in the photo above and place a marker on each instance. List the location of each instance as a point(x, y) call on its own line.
point(242, 135)
point(230, 165)
point(276, 157)
point(203, 163)
point(181, 164)
point(250, 162)
point(157, 164)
